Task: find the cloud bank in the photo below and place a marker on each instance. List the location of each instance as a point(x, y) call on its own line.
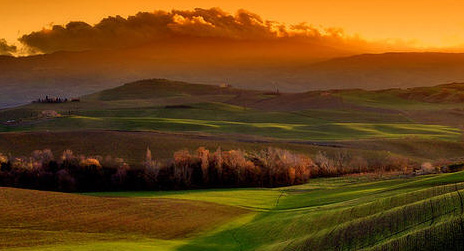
point(160, 26)
point(5, 49)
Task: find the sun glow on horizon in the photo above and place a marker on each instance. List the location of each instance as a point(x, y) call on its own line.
point(418, 25)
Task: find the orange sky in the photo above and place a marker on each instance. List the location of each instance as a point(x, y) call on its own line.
point(432, 23)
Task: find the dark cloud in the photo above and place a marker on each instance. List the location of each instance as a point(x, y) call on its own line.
point(6, 49)
point(146, 28)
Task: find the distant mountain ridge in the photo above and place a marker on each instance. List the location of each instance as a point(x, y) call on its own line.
point(70, 74)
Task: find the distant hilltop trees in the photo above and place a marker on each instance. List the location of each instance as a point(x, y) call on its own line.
point(55, 100)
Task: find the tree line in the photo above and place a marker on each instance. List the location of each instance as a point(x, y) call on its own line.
point(202, 168)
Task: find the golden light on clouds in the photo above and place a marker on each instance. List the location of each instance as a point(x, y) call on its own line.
point(424, 23)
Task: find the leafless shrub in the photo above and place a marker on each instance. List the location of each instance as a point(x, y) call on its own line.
point(427, 168)
point(325, 164)
point(204, 156)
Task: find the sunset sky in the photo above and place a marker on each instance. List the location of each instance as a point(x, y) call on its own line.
point(423, 23)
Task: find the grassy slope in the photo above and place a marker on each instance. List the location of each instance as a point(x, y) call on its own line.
point(349, 213)
point(339, 213)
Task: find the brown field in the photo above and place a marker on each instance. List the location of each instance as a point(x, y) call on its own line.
point(31, 218)
point(131, 146)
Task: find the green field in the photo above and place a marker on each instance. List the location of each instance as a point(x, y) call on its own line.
point(303, 130)
point(160, 105)
point(346, 213)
